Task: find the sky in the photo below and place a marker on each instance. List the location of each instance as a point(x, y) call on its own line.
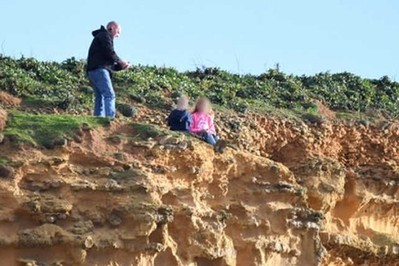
point(246, 36)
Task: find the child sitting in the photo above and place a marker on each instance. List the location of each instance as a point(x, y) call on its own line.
point(203, 125)
point(180, 119)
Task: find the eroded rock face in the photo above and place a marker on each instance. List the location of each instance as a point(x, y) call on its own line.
point(3, 119)
point(326, 195)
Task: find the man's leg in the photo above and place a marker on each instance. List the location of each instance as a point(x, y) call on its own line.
point(98, 103)
point(108, 96)
point(95, 78)
point(104, 85)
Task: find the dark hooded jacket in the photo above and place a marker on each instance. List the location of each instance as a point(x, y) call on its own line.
point(102, 53)
point(180, 120)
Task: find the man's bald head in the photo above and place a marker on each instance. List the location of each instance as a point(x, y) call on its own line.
point(114, 29)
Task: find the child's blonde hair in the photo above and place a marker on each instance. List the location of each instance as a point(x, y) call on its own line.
point(182, 100)
point(203, 100)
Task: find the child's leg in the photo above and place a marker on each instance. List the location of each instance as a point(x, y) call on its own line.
point(209, 138)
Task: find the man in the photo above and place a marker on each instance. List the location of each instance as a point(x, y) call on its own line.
point(102, 60)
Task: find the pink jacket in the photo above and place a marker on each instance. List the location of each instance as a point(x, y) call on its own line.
point(202, 121)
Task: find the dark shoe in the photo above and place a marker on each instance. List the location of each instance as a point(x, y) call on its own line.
point(220, 146)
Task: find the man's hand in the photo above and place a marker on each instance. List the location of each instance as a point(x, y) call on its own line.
point(124, 64)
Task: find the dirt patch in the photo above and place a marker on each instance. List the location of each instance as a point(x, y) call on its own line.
point(9, 100)
point(324, 110)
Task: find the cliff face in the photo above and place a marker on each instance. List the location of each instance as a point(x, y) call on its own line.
point(284, 193)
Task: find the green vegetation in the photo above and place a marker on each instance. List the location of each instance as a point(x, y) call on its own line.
point(64, 85)
point(3, 160)
point(40, 129)
point(145, 131)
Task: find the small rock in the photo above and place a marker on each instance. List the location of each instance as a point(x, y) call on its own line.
point(88, 243)
point(138, 99)
point(51, 144)
point(158, 247)
point(115, 139)
point(77, 138)
point(55, 184)
point(126, 110)
point(62, 216)
point(80, 132)
point(183, 145)
point(364, 122)
point(165, 140)
point(114, 220)
point(127, 167)
point(6, 171)
point(313, 118)
point(56, 161)
point(169, 146)
point(120, 156)
point(48, 144)
point(194, 170)
point(1, 138)
point(85, 127)
point(51, 219)
point(25, 262)
point(60, 142)
point(112, 184)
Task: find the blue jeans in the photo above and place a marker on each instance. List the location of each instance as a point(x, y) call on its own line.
point(104, 103)
point(210, 138)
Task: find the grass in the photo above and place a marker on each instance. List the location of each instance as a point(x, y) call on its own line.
point(295, 114)
point(38, 102)
point(4, 160)
point(39, 129)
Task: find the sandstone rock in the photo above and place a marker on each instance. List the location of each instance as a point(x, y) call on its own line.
point(3, 119)
point(327, 197)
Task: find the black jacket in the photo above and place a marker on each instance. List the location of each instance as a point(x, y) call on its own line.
point(102, 53)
